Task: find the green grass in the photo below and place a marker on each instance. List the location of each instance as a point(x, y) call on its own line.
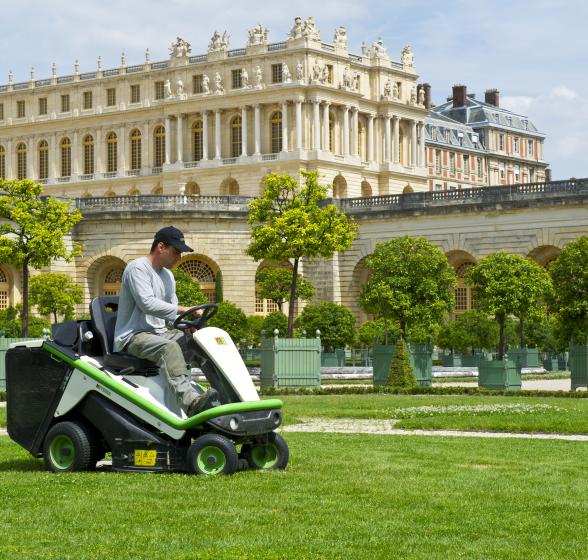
point(2, 417)
point(562, 415)
point(343, 496)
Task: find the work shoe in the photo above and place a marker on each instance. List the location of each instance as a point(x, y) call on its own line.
point(203, 402)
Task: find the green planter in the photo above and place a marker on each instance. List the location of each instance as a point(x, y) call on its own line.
point(329, 359)
point(563, 363)
point(451, 360)
point(290, 362)
point(524, 357)
point(4, 346)
point(551, 363)
point(499, 374)
point(578, 366)
point(421, 359)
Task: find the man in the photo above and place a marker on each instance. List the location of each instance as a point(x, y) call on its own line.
point(148, 303)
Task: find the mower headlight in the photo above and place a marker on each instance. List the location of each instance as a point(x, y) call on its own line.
point(234, 424)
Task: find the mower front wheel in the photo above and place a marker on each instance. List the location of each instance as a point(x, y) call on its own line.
point(212, 454)
point(270, 454)
point(70, 446)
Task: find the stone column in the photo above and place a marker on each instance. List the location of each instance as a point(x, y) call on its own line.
point(98, 168)
point(316, 137)
point(53, 157)
point(298, 124)
point(180, 138)
point(217, 134)
point(355, 137)
point(396, 125)
point(257, 130)
point(204, 135)
point(167, 140)
point(422, 149)
point(284, 126)
point(413, 143)
point(145, 147)
point(32, 157)
point(244, 131)
point(75, 155)
point(122, 151)
point(370, 139)
point(326, 126)
point(346, 131)
point(387, 146)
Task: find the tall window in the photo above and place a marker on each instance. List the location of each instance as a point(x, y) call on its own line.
point(236, 82)
point(87, 100)
point(135, 93)
point(159, 91)
point(276, 132)
point(197, 83)
point(236, 136)
point(65, 103)
point(4, 290)
point(438, 162)
point(479, 165)
point(159, 151)
point(135, 149)
point(88, 155)
point(515, 145)
point(20, 109)
point(501, 142)
point(111, 153)
point(197, 139)
point(65, 157)
point(43, 159)
point(112, 281)
point(331, 132)
point(202, 273)
point(276, 73)
point(2, 163)
point(361, 142)
point(463, 294)
point(452, 163)
point(42, 105)
point(21, 161)
point(466, 164)
point(110, 97)
point(1, 111)
point(530, 148)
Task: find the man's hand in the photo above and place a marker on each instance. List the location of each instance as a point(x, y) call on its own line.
point(198, 313)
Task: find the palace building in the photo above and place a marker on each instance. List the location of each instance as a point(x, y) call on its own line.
point(188, 141)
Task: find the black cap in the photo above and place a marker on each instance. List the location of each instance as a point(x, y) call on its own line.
point(174, 237)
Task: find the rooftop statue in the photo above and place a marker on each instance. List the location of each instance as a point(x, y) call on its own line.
point(296, 31)
point(180, 48)
point(310, 30)
point(340, 38)
point(378, 49)
point(218, 42)
point(258, 35)
point(407, 57)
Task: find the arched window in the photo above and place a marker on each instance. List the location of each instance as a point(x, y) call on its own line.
point(65, 146)
point(88, 155)
point(21, 161)
point(134, 192)
point(2, 163)
point(463, 293)
point(159, 148)
point(4, 290)
point(157, 190)
point(229, 187)
point(276, 132)
point(43, 159)
point(192, 189)
point(110, 193)
point(112, 281)
point(203, 274)
point(135, 149)
point(197, 140)
point(366, 189)
point(236, 137)
point(339, 187)
point(111, 153)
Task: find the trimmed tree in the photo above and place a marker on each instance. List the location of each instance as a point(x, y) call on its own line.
point(469, 331)
point(218, 287)
point(187, 289)
point(232, 319)
point(401, 373)
point(376, 332)
point(410, 283)
point(505, 284)
point(275, 284)
point(55, 294)
point(570, 297)
point(336, 323)
point(273, 321)
point(254, 328)
point(35, 231)
point(290, 221)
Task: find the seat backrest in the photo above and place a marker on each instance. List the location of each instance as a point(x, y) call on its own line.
point(103, 311)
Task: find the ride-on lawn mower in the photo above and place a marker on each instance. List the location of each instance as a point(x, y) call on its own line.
point(71, 400)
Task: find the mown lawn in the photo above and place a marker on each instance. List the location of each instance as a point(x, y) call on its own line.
point(494, 413)
point(2, 417)
point(343, 496)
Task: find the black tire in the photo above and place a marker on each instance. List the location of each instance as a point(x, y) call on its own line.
point(69, 447)
point(212, 454)
point(266, 455)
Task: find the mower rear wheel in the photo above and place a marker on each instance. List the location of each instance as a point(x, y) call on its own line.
point(212, 454)
point(70, 446)
point(273, 454)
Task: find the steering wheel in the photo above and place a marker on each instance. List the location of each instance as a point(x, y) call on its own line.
point(209, 311)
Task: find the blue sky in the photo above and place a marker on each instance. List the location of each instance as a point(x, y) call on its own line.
point(534, 52)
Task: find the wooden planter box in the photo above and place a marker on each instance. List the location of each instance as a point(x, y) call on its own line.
point(290, 362)
point(551, 363)
point(421, 359)
point(578, 366)
point(452, 360)
point(524, 357)
point(499, 374)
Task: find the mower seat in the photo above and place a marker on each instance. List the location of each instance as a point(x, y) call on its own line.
point(103, 311)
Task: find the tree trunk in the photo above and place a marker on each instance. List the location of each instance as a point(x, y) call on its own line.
point(385, 331)
point(25, 299)
point(292, 299)
point(55, 317)
point(403, 329)
point(522, 332)
point(501, 341)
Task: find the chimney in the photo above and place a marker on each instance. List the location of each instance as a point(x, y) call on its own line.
point(492, 97)
point(427, 88)
point(547, 175)
point(460, 94)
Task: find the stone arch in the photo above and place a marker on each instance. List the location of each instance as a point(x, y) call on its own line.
point(339, 187)
point(544, 255)
point(192, 188)
point(229, 187)
point(134, 191)
point(7, 287)
point(266, 306)
point(366, 189)
point(204, 271)
point(407, 189)
point(157, 190)
point(109, 192)
point(359, 278)
point(462, 261)
point(104, 276)
point(87, 194)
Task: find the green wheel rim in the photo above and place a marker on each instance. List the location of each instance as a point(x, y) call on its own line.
point(265, 456)
point(62, 452)
point(211, 460)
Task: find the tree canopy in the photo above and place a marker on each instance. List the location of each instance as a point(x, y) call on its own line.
point(570, 296)
point(55, 294)
point(290, 221)
point(470, 330)
point(335, 322)
point(410, 282)
point(232, 319)
point(35, 232)
point(275, 284)
point(187, 289)
point(506, 284)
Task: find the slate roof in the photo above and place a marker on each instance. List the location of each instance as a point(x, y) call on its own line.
point(441, 129)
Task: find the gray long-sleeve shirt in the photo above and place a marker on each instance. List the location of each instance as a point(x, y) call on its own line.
point(147, 301)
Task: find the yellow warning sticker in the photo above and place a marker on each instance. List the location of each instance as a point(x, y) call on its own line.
point(145, 457)
point(220, 340)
